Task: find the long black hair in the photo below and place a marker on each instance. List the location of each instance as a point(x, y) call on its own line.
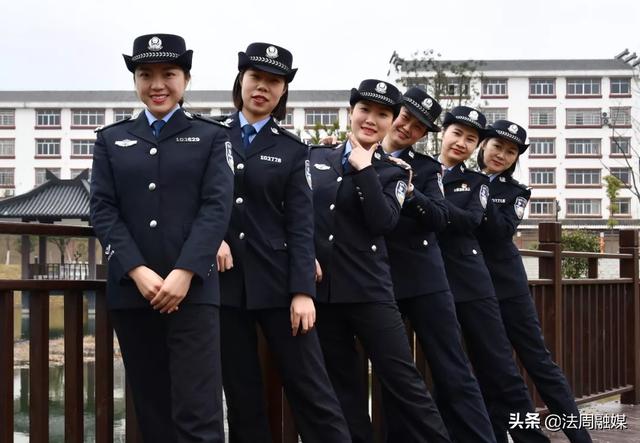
point(279, 112)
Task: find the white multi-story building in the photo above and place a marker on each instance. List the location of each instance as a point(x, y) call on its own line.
point(582, 121)
point(54, 130)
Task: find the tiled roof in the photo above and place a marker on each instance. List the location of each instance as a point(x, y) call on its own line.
point(54, 200)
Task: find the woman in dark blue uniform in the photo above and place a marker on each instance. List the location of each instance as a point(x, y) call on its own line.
point(489, 350)
point(160, 193)
point(497, 157)
point(420, 282)
point(267, 262)
point(358, 194)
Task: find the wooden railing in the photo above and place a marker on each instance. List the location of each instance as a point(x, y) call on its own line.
point(591, 326)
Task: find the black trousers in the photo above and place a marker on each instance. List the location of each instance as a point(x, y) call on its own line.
point(523, 328)
point(490, 353)
point(382, 334)
point(455, 389)
point(315, 407)
point(172, 362)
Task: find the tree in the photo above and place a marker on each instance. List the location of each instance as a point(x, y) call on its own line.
point(321, 131)
point(613, 187)
point(61, 243)
point(451, 83)
point(578, 241)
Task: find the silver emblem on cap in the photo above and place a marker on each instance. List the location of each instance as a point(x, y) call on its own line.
point(473, 115)
point(381, 88)
point(427, 103)
point(155, 44)
point(272, 52)
point(513, 129)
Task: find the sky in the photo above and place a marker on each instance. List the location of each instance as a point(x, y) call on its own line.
point(77, 44)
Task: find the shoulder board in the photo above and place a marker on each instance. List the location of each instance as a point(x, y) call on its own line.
point(429, 158)
point(219, 118)
point(210, 120)
point(110, 125)
point(289, 134)
point(387, 160)
point(317, 146)
point(481, 174)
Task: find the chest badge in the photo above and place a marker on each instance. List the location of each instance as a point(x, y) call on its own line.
point(270, 158)
point(126, 143)
point(519, 206)
point(187, 139)
point(484, 195)
point(462, 188)
point(321, 166)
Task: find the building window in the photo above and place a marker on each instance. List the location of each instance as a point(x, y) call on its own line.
point(542, 176)
point(48, 118)
point(584, 118)
point(288, 118)
point(542, 117)
point(583, 177)
point(622, 174)
point(582, 87)
point(7, 118)
point(77, 172)
point(620, 117)
point(48, 147)
point(41, 174)
point(543, 147)
point(542, 207)
point(621, 207)
point(7, 147)
point(493, 114)
point(620, 86)
point(82, 148)
point(542, 87)
point(583, 206)
point(456, 87)
point(323, 117)
point(620, 146)
point(495, 87)
point(87, 117)
point(122, 114)
point(588, 147)
point(7, 177)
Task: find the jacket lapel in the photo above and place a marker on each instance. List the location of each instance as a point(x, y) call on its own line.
point(176, 124)
point(454, 175)
point(236, 136)
point(141, 129)
point(265, 139)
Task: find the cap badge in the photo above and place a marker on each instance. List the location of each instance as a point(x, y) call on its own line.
point(381, 88)
point(473, 115)
point(155, 44)
point(272, 52)
point(513, 129)
point(427, 103)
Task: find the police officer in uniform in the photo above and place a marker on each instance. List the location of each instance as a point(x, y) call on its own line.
point(497, 157)
point(420, 282)
point(358, 194)
point(467, 194)
point(160, 196)
point(267, 262)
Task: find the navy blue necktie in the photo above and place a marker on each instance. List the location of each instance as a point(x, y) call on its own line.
point(346, 166)
point(248, 130)
point(157, 127)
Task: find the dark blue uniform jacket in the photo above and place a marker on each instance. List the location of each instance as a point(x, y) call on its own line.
point(161, 202)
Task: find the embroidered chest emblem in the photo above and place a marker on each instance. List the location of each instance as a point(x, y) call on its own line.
point(462, 188)
point(126, 143)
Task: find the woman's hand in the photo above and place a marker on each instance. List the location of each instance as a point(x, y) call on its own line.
point(224, 257)
point(318, 272)
point(173, 291)
point(146, 280)
point(360, 157)
point(303, 314)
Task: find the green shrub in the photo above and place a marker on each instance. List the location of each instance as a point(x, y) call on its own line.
point(578, 241)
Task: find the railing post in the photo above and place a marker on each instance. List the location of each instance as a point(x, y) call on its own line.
point(6, 366)
point(550, 236)
point(629, 269)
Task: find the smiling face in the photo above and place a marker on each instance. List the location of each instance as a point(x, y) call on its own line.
point(261, 92)
point(405, 131)
point(499, 155)
point(370, 122)
point(458, 143)
point(160, 86)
